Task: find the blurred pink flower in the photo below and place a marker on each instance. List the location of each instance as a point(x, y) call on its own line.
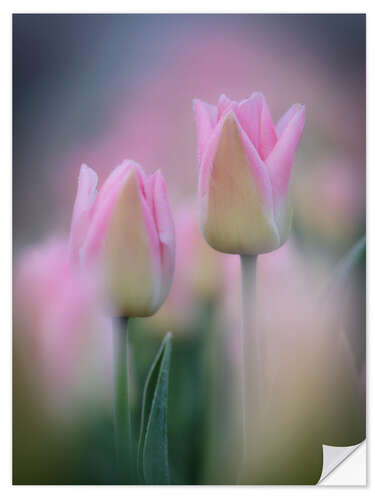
point(312, 393)
point(198, 276)
point(127, 234)
point(245, 165)
point(63, 339)
point(330, 200)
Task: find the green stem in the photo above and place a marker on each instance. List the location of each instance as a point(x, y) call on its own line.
point(122, 420)
point(252, 386)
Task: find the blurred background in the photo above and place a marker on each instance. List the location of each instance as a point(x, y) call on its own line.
point(97, 89)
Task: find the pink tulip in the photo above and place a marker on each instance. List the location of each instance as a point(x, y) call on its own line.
point(63, 340)
point(245, 166)
point(126, 233)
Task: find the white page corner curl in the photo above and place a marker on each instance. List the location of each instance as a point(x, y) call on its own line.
point(333, 456)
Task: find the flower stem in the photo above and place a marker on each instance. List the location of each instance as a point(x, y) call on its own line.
point(252, 386)
point(121, 414)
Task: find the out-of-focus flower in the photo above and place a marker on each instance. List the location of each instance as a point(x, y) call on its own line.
point(305, 355)
point(329, 201)
point(198, 277)
point(245, 166)
point(60, 336)
point(126, 233)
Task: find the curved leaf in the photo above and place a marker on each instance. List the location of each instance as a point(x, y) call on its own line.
point(153, 440)
point(345, 266)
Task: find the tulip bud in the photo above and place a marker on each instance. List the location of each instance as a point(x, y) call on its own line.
point(244, 173)
point(127, 234)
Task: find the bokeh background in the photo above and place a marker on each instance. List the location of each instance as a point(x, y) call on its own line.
point(97, 89)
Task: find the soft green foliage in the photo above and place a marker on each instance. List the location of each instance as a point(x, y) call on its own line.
point(153, 440)
point(347, 264)
point(345, 413)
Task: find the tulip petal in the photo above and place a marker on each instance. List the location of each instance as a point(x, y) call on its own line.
point(235, 193)
point(207, 159)
point(249, 118)
point(255, 118)
point(86, 193)
point(206, 117)
point(285, 119)
point(101, 211)
point(268, 137)
point(161, 209)
point(280, 161)
point(112, 180)
point(131, 254)
point(166, 231)
point(267, 133)
point(224, 105)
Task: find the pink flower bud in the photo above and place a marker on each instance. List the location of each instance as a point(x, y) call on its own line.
point(126, 232)
point(244, 173)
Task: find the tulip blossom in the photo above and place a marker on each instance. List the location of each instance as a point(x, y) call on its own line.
point(60, 334)
point(126, 233)
point(245, 165)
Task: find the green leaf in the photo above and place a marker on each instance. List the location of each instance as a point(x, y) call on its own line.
point(153, 440)
point(343, 269)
